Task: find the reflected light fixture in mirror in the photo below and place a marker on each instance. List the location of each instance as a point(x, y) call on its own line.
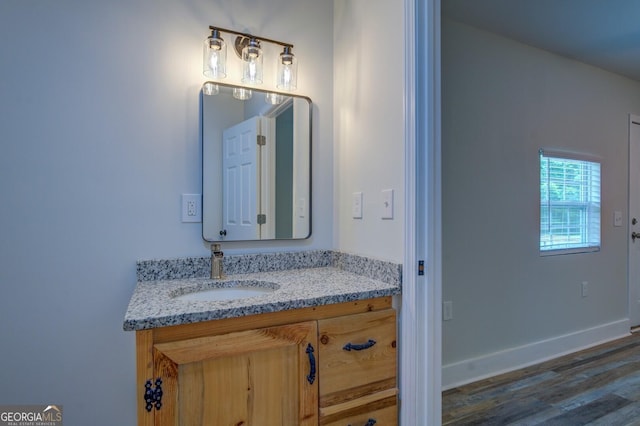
point(249, 50)
point(274, 98)
point(210, 88)
point(242, 94)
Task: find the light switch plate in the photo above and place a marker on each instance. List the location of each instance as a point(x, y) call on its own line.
point(301, 208)
point(617, 218)
point(447, 310)
point(356, 205)
point(387, 204)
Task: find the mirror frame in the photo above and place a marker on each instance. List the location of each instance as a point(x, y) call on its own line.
point(208, 236)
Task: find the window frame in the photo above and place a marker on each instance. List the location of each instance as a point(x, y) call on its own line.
point(592, 205)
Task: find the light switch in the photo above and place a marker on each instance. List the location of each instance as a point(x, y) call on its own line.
point(301, 208)
point(356, 205)
point(387, 204)
point(617, 218)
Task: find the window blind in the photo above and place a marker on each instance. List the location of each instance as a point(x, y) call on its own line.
point(569, 205)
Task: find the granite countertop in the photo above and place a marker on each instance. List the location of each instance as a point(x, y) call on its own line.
point(307, 283)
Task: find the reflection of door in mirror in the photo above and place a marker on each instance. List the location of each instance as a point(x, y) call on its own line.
point(241, 180)
point(257, 178)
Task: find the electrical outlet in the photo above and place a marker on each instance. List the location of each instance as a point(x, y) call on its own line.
point(447, 310)
point(191, 208)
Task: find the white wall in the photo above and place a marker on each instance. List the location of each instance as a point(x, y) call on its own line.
point(100, 134)
point(368, 124)
point(502, 101)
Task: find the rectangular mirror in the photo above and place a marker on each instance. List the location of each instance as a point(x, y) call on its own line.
point(256, 164)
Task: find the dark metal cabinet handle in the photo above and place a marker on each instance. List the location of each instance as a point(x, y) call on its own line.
point(357, 347)
point(312, 365)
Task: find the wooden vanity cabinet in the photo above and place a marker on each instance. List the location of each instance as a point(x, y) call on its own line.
point(312, 366)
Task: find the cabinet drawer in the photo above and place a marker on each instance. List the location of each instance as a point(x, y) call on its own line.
point(357, 355)
point(379, 413)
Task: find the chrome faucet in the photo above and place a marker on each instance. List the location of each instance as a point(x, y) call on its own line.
point(217, 258)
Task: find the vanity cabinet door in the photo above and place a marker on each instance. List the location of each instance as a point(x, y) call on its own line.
point(257, 377)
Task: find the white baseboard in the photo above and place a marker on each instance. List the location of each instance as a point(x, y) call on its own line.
point(474, 369)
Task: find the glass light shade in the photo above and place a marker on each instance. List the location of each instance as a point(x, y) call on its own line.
point(274, 98)
point(214, 56)
point(242, 94)
point(252, 63)
point(210, 89)
point(287, 70)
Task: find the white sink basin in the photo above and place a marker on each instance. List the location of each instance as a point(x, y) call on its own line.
point(234, 291)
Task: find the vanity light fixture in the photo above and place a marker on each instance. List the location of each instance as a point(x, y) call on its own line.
point(252, 62)
point(287, 70)
point(214, 55)
point(249, 50)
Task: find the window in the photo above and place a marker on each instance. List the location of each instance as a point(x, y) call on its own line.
point(569, 204)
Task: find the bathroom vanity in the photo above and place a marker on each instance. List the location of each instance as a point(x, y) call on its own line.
point(318, 348)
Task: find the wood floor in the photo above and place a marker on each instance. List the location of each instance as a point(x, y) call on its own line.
point(598, 386)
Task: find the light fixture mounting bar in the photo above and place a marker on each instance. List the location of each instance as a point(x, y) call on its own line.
point(250, 36)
